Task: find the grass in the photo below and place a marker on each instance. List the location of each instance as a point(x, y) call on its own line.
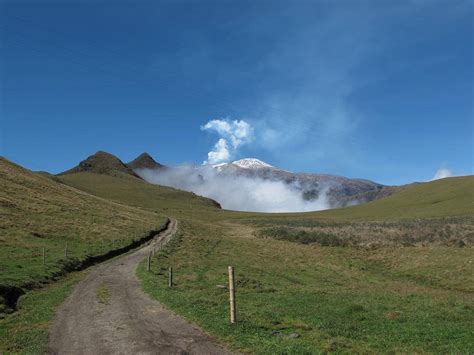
point(135, 192)
point(102, 294)
point(394, 299)
point(420, 232)
point(441, 198)
point(26, 330)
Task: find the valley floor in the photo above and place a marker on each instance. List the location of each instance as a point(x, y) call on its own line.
point(297, 298)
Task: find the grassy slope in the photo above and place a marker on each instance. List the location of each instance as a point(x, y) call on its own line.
point(408, 299)
point(440, 198)
point(135, 192)
point(38, 212)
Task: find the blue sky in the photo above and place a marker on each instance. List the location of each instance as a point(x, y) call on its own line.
point(381, 90)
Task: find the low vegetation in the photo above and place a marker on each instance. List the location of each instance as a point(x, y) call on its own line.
point(419, 232)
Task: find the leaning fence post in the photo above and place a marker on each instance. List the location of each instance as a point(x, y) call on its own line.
point(233, 317)
point(44, 256)
point(170, 277)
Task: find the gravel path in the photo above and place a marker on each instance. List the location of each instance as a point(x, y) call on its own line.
point(126, 322)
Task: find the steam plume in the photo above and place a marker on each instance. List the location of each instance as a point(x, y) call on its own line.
point(237, 132)
point(442, 173)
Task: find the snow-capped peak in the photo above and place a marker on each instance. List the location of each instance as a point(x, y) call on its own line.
point(251, 163)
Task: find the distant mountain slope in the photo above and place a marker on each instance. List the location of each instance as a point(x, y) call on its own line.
point(103, 163)
point(441, 198)
point(341, 191)
point(144, 161)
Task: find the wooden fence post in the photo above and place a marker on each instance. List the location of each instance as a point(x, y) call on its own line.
point(149, 262)
point(170, 277)
point(65, 251)
point(44, 256)
point(233, 317)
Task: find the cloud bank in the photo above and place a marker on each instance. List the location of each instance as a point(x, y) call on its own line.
point(236, 192)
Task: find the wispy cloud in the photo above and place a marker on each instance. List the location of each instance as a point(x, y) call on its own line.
point(442, 173)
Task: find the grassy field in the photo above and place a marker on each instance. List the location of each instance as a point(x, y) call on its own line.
point(394, 275)
point(295, 298)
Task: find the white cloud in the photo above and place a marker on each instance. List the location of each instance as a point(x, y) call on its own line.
point(442, 173)
point(219, 154)
point(237, 132)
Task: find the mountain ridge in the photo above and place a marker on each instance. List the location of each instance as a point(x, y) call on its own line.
point(340, 191)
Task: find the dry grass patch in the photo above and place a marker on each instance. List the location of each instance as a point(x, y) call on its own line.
point(102, 294)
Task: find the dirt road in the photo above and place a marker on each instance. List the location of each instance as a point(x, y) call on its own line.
point(108, 313)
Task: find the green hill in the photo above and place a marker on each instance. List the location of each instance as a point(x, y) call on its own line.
point(38, 212)
point(441, 198)
point(135, 192)
point(448, 197)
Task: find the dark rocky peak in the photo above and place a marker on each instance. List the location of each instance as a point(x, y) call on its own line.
point(144, 161)
point(102, 163)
